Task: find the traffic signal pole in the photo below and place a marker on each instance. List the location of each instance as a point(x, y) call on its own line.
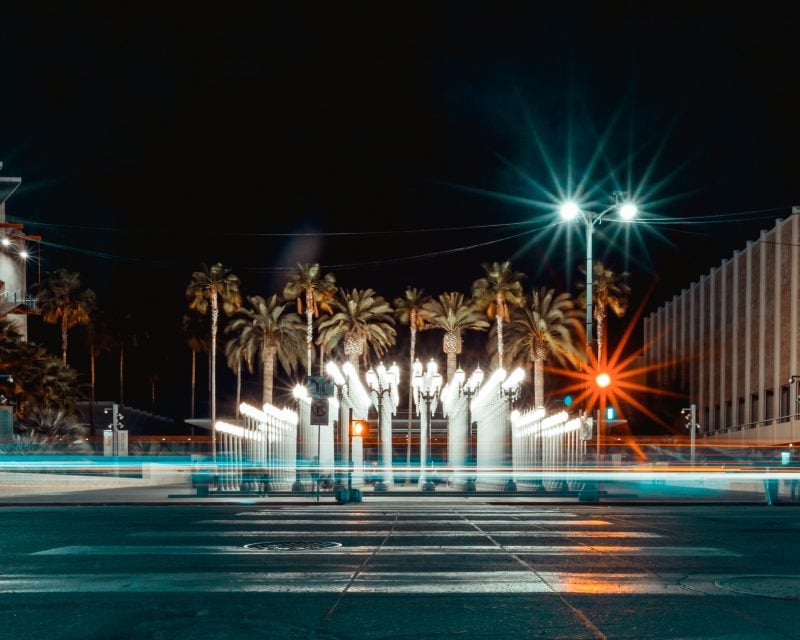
point(690, 415)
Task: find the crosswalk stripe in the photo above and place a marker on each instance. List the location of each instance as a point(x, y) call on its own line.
point(490, 582)
point(461, 522)
point(410, 550)
point(397, 534)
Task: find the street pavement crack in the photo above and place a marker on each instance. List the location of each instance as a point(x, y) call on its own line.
point(584, 619)
point(359, 569)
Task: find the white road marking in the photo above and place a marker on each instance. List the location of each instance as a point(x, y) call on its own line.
point(459, 522)
point(260, 533)
point(468, 582)
point(410, 550)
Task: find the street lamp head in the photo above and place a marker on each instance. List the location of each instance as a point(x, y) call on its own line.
point(628, 211)
point(334, 372)
point(432, 367)
point(569, 210)
point(458, 377)
point(603, 380)
point(513, 381)
point(300, 392)
point(416, 369)
point(372, 379)
point(436, 382)
point(476, 379)
point(394, 372)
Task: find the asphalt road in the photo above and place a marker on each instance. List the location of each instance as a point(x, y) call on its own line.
point(399, 569)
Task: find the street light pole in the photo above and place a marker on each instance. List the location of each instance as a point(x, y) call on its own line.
point(381, 383)
point(467, 388)
point(340, 382)
point(427, 388)
point(510, 390)
point(793, 380)
point(569, 211)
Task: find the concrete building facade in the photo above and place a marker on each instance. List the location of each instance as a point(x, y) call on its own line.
point(15, 299)
point(730, 342)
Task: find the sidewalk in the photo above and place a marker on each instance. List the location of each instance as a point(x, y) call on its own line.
point(59, 489)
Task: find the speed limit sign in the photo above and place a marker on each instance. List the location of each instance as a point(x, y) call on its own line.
point(319, 411)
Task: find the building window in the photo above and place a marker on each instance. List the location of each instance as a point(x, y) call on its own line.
point(740, 413)
point(769, 399)
point(784, 401)
point(716, 424)
point(728, 417)
point(755, 415)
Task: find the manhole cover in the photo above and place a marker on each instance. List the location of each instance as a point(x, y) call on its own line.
point(781, 587)
point(299, 545)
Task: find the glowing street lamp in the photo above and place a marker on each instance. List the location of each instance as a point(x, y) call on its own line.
point(383, 382)
point(426, 389)
point(626, 211)
point(468, 388)
point(510, 391)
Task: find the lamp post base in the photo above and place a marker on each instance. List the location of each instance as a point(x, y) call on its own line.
point(381, 486)
point(589, 493)
point(298, 487)
point(469, 486)
point(344, 496)
point(510, 486)
point(429, 486)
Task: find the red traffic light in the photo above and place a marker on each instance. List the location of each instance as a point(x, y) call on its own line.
point(359, 428)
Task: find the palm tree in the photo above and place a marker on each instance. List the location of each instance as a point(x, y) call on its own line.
point(61, 302)
point(128, 333)
point(610, 291)
point(204, 292)
point(493, 293)
point(361, 320)
point(409, 310)
point(264, 331)
point(100, 341)
point(234, 355)
point(197, 339)
point(41, 382)
point(546, 326)
point(454, 315)
point(313, 291)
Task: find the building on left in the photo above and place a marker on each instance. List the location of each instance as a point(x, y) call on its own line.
point(17, 251)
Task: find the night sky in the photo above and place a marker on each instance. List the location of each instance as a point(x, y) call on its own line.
point(395, 143)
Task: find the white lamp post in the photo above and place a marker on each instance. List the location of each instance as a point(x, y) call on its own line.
point(468, 388)
point(426, 389)
point(510, 391)
point(383, 383)
point(569, 211)
point(300, 394)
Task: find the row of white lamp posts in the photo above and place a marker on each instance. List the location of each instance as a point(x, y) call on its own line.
point(508, 445)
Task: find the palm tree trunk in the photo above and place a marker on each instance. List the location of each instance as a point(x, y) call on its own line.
point(91, 391)
point(194, 380)
point(451, 365)
point(64, 340)
point(268, 362)
point(121, 371)
point(538, 383)
point(499, 311)
point(309, 327)
point(601, 330)
point(238, 388)
point(214, 320)
point(413, 325)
